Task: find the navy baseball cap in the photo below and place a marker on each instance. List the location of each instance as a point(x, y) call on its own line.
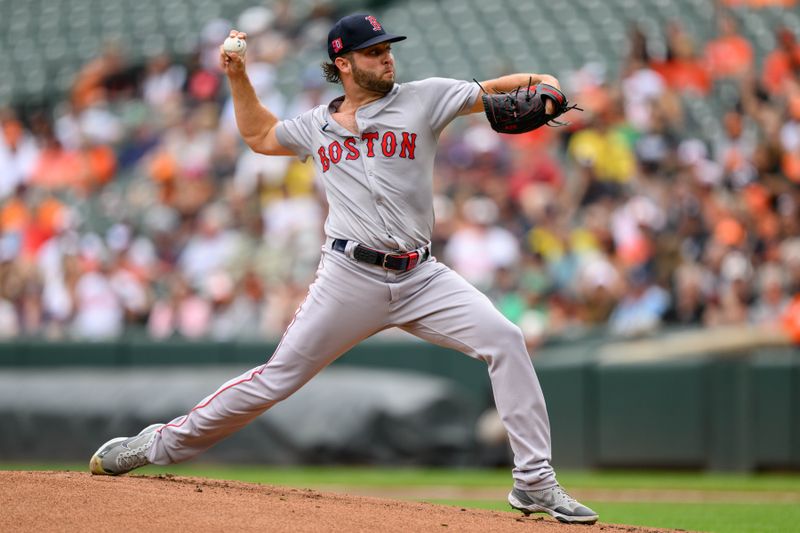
point(355, 32)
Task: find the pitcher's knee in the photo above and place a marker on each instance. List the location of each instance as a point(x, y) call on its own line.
point(511, 337)
point(505, 340)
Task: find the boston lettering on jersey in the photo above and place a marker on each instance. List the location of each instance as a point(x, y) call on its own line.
point(388, 146)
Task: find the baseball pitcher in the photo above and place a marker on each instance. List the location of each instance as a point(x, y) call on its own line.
point(373, 149)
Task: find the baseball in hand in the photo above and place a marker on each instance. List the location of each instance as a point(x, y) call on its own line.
point(234, 44)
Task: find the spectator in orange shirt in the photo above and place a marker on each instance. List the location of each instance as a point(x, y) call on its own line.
point(783, 63)
point(730, 55)
point(57, 167)
point(101, 164)
point(682, 70)
point(81, 170)
point(791, 320)
point(756, 4)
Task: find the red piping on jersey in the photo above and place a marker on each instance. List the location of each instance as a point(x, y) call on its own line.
point(252, 376)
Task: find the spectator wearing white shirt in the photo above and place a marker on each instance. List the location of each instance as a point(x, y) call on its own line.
point(479, 247)
point(19, 154)
point(212, 248)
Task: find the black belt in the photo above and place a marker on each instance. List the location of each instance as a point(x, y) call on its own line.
point(403, 261)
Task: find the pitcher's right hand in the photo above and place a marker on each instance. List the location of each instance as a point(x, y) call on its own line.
point(231, 62)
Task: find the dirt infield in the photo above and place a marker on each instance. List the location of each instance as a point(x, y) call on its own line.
point(74, 501)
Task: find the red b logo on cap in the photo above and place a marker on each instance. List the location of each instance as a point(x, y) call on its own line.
point(376, 26)
point(337, 45)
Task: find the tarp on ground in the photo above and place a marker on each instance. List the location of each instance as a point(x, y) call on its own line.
point(342, 415)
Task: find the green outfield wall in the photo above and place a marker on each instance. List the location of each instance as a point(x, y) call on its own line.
point(723, 400)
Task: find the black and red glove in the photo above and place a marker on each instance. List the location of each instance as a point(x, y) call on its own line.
point(524, 109)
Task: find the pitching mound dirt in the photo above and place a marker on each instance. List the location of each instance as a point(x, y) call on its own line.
point(74, 501)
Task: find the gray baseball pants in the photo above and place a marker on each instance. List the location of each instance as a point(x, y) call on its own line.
point(347, 303)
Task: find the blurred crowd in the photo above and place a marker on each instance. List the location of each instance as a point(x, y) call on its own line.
point(133, 205)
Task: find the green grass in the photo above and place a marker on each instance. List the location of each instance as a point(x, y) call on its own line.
point(719, 517)
point(722, 516)
point(681, 480)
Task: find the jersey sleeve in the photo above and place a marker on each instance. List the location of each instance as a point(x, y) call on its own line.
point(445, 99)
point(296, 134)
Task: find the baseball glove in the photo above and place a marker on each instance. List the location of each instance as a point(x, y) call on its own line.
point(523, 109)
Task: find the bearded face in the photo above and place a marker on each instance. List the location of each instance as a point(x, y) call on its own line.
point(371, 81)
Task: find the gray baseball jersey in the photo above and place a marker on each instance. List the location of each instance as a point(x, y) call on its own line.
point(379, 184)
point(379, 187)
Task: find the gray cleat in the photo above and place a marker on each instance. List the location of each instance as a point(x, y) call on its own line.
point(123, 454)
point(554, 501)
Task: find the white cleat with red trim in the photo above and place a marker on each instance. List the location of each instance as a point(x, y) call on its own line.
point(123, 454)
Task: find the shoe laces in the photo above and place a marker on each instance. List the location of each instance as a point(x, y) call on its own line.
point(560, 492)
point(135, 457)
